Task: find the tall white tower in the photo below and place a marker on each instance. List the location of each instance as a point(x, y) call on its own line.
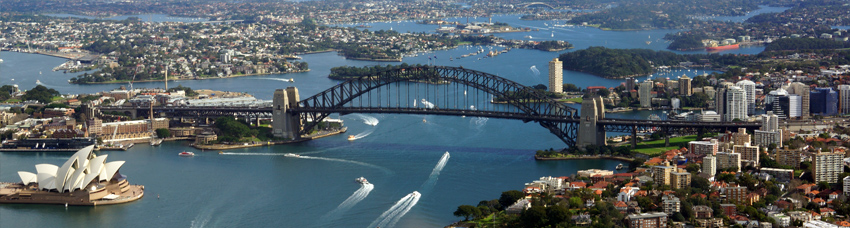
point(556, 76)
point(736, 103)
point(749, 88)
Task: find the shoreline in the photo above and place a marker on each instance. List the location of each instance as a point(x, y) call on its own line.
point(619, 158)
point(269, 143)
point(179, 79)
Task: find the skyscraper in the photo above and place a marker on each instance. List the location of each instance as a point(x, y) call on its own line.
point(645, 93)
point(736, 103)
point(824, 102)
point(720, 103)
point(556, 76)
point(685, 86)
point(750, 90)
point(801, 89)
point(843, 99)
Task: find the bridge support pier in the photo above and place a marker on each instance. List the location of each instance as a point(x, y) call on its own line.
point(666, 132)
point(634, 137)
point(589, 132)
point(285, 124)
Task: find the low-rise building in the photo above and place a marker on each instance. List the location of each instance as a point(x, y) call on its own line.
point(781, 219)
point(736, 194)
point(593, 172)
point(702, 211)
point(781, 175)
point(680, 180)
point(647, 220)
point(670, 204)
point(726, 160)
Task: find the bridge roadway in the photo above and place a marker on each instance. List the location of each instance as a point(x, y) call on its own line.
point(610, 124)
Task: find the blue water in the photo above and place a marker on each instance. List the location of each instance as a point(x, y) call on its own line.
point(258, 187)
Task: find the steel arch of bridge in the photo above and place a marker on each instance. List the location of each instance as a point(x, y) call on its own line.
point(560, 119)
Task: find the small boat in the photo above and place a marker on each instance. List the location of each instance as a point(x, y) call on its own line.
point(528, 37)
point(291, 80)
point(186, 154)
point(424, 121)
point(38, 82)
point(620, 166)
point(221, 152)
point(351, 138)
point(292, 155)
point(361, 180)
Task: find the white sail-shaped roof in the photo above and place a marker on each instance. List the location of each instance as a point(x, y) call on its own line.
point(28, 177)
point(46, 168)
point(76, 173)
point(112, 168)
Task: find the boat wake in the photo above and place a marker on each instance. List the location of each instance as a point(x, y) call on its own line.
point(390, 217)
point(352, 200)
point(368, 120)
point(311, 157)
point(435, 174)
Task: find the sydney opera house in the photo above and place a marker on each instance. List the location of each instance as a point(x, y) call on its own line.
point(85, 179)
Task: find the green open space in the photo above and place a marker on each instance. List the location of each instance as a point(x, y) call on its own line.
point(657, 146)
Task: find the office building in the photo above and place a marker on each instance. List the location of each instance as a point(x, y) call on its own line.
point(824, 102)
point(843, 99)
point(802, 90)
point(556, 76)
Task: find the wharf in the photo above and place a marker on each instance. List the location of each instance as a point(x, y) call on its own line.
point(573, 157)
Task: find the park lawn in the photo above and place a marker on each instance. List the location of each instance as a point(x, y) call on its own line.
point(657, 146)
point(574, 100)
point(56, 98)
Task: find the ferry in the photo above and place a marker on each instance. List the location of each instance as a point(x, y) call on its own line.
point(361, 180)
point(620, 166)
point(186, 154)
point(351, 138)
point(292, 155)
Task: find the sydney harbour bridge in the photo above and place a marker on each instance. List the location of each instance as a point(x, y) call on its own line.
point(441, 90)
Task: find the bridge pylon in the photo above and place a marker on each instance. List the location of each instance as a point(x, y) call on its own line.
point(589, 132)
point(286, 124)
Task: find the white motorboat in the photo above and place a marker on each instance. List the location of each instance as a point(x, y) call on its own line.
point(292, 155)
point(186, 154)
point(361, 180)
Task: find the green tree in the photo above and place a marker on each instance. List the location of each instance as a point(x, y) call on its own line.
point(575, 202)
point(533, 217)
point(508, 198)
point(466, 211)
point(557, 214)
point(41, 94)
point(163, 133)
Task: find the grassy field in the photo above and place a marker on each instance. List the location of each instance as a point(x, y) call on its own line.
point(574, 100)
point(657, 146)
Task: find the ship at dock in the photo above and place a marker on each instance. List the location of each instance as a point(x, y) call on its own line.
point(722, 47)
point(84, 179)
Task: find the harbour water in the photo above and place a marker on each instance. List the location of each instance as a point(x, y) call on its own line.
point(258, 187)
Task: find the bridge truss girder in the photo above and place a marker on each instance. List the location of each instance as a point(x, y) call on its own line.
point(560, 119)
